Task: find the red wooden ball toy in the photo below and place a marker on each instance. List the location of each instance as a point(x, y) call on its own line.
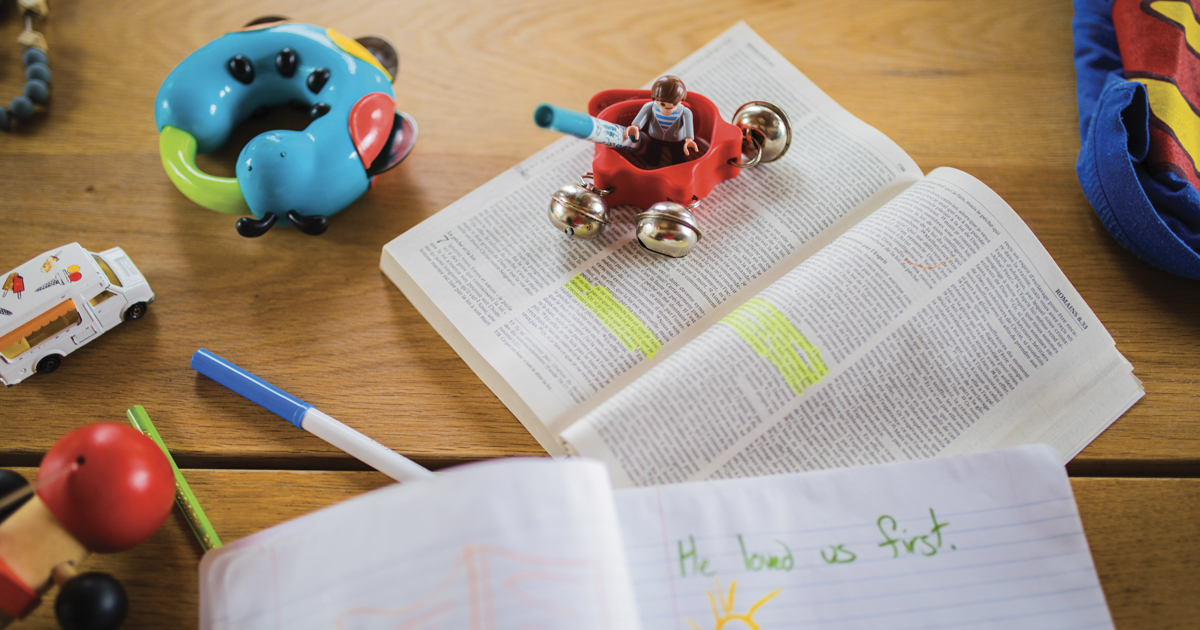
point(109, 485)
point(101, 488)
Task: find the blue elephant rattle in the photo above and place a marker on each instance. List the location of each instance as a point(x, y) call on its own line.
point(303, 176)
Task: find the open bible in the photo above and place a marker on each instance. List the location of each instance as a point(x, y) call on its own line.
point(990, 540)
point(841, 308)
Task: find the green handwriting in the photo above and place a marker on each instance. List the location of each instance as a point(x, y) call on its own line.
point(770, 562)
point(690, 562)
point(924, 544)
point(838, 554)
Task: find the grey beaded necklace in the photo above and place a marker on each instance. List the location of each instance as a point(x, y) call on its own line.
point(37, 69)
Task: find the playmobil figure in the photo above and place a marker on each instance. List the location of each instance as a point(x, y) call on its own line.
point(302, 176)
point(73, 296)
point(667, 122)
point(101, 488)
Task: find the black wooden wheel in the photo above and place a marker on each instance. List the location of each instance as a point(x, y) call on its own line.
point(91, 601)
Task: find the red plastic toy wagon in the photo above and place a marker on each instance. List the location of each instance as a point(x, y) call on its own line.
point(759, 133)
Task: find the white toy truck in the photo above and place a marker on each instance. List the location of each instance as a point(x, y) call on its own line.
point(61, 300)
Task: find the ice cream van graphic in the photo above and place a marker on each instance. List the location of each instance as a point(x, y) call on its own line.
point(61, 300)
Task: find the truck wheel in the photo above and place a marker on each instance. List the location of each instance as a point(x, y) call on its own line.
point(136, 311)
point(49, 363)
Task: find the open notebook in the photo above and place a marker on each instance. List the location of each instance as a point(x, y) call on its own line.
point(989, 540)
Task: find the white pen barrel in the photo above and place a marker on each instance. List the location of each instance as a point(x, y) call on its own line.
point(374, 454)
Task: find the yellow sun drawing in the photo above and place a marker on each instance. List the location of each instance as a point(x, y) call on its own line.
point(726, 615)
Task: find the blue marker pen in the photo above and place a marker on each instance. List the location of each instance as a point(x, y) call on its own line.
point(306, 416)
point(583, 126)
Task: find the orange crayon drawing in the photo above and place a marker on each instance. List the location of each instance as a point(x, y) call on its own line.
point(498, 588)
point(522, 580)
point(438, 604)
point(725, 614)
point(926, 267)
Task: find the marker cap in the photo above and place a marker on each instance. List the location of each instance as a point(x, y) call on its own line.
point(253, 388)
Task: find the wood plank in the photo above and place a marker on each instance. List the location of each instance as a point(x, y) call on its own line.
point(1144, 535)
point(988, 87)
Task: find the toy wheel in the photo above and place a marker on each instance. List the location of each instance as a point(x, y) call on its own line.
point(136, 311)
point(91, 601)
point(49, 363)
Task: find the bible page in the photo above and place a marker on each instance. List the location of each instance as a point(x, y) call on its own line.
point(985, 541)
point(937, 325)
point(553, 325)
point(505, 544)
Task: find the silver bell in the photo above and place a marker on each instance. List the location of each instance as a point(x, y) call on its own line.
point(669, 229)
point(766, 132)
point(579, 210)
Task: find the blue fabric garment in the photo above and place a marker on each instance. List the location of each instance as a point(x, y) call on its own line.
point(1155, 216)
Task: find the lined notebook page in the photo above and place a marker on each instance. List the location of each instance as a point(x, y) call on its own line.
point(978, 541)
point(506, 544)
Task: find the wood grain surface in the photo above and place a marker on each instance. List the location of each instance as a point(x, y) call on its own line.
point(1144, 536)
point(987, 87)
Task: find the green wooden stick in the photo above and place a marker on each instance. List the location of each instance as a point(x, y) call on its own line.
point(183, 494)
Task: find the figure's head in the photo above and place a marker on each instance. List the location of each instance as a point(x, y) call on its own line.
point(668, 91)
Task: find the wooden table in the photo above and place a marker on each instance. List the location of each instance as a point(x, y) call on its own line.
point(983, 86)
